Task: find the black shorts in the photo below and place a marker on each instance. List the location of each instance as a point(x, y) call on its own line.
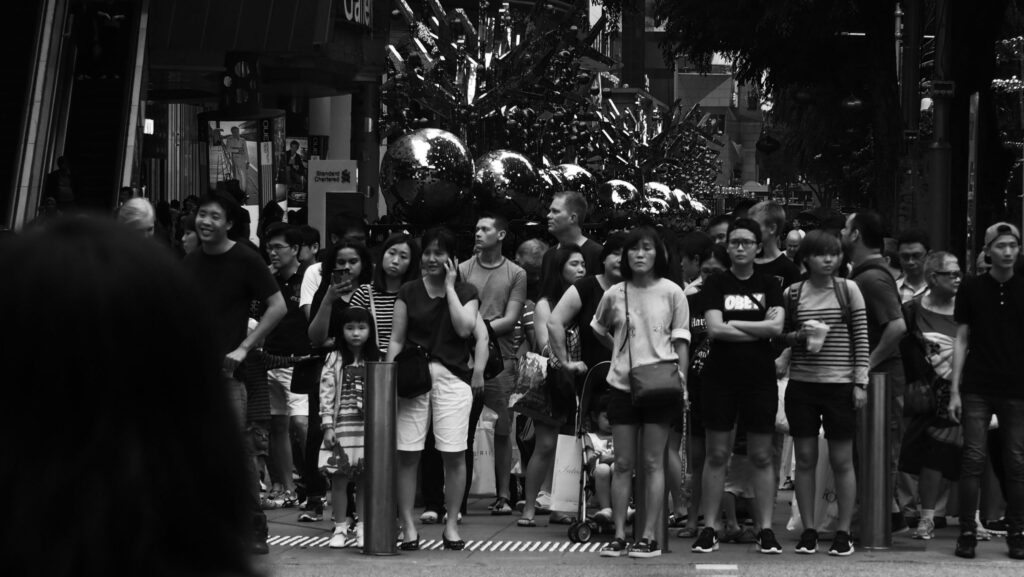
point(725, 402)
point(811, 405)
point(621, 411)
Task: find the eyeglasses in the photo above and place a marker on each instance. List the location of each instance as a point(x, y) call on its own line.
point(276, 247)
point(953, 274)
point(744, 242)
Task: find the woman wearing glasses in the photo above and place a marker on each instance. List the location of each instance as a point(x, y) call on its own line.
point(932, 444)
point(744, 312)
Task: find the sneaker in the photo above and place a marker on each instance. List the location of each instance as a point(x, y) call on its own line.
point(543, 503)
point(339, 539)
point(925, 529)
point(603, 517)
point(997, 527)
point(808, 544)
point(965, 545)
point(561, 518)
point(358, 530)
point(615, 548)
point(767, 543)
point(311, 517)
point(842, 545)
point(706, 542)
point(644, 549)
point(501, 506)
point(428, 517)
point(1015, 544)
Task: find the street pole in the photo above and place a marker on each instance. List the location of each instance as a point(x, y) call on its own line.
point(380, 501)
point(875, 481)
point(940, 149)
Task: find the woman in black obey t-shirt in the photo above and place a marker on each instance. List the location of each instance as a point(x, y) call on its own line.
point(745, 311)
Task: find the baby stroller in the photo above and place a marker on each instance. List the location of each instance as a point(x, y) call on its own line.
point(581, 530)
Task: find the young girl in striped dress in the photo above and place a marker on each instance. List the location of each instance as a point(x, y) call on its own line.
point(342, 419)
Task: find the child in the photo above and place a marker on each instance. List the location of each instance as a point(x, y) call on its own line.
point(600, 457)
point(341, 414)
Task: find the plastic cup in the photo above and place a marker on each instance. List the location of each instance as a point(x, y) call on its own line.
point(816, 338)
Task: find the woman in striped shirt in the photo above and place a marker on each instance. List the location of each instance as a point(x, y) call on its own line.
point(399, 263)
point(827, 380)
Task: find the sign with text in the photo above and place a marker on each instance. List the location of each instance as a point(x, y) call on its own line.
point(329, 177)
point(358, 12)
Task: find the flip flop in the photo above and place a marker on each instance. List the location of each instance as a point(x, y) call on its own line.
point(526, 523)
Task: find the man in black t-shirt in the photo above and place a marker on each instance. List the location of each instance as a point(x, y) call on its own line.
point(231, 276)
point(988, 378)
point(565, 216)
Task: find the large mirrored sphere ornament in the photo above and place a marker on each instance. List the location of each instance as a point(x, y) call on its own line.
point(425, 175)
point(571, 177)
point(506, 182)
point(657, 199)
point(618, 196)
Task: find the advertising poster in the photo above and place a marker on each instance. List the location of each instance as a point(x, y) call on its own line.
point(234, 157)
point(294, 171)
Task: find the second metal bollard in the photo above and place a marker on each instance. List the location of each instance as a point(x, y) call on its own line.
point(380, 407)
point(874, 479)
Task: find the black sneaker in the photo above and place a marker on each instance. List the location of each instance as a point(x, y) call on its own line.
point(1015, 543)
point(615, 548)
point(706, 542)
point(965, 545)
point(842, 545)
point(808, 544)
point(644, 548)
point(767, 543)
point(997, 527)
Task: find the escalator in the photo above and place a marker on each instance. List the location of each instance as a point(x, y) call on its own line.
point(100, 99)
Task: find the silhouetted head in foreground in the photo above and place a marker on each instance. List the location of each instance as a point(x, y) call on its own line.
point(122, 455)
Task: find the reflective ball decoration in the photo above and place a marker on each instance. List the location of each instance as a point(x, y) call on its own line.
point(425, 175)
point(657, 199)
point(619, 197)
point(507, 182)
point(570, 177)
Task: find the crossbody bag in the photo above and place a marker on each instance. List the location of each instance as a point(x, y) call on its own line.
point(651, 384)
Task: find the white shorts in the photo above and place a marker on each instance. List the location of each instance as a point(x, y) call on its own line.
point(282, 400)
point(448, 403)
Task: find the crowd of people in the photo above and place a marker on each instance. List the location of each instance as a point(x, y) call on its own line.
point(735, 348)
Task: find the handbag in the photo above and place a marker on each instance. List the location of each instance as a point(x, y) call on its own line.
point(495, 363)
point(655, 383)
point(412, 367)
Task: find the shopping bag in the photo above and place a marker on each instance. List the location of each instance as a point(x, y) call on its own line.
point(826, 503)
point(781, 421)
point(565, 484)
point(483, 455)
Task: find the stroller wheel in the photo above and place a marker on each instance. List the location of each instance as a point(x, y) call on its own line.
point(579, 533)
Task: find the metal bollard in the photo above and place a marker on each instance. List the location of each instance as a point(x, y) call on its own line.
point(874, 482)
point(380, 408)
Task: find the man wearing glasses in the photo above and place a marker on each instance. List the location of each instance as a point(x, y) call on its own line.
point(912, 247)
point(988, 378)
point(289, 411)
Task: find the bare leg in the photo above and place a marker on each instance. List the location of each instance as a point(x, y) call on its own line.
point(805, 450)
point(502, 464)
point(674, 472)
point(655, 441)
point(339, 498)
point(541, 462)
point(603, 485)
point(760, 452)
point(624, 439)
point(698, 450)
point(719, 447)
point(841, 457)
point(408, 461)
point(281, 451)
point(454, 489)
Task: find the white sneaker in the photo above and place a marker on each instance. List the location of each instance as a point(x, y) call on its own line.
point(925, 529)
point(339, 540)
point(428, 517)
point(359, 534)
point(543, 500)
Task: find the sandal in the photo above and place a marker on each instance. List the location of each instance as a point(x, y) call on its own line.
point(676, 521)
point(526, 523)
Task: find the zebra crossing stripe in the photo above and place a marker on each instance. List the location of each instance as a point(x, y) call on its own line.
point(479, 546)
point(516, 546)
point(472, 545)
point(275, 539)
point(574, 547)
point(506, 546)
point(436, 545)
point(564, 546)
point(428, 544)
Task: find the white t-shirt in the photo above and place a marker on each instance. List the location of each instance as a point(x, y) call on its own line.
point(658, 315)
point(310, 282)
